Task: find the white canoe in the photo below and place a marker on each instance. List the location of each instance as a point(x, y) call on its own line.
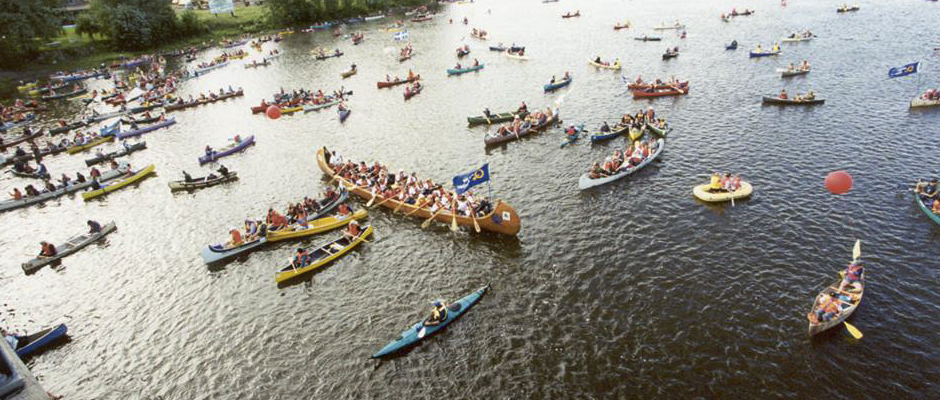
point(586, 182)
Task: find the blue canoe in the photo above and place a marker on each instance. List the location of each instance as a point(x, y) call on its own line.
point(755, 54)
point(343, 114)
point(141, 131)
point(30, 344)
point(614, 132)
point(419, 331)
point(557, 85)
point(453, 71)
point(232, 149)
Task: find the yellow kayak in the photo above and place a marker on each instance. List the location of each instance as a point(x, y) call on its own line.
point(322, 255)
point(614, 66)
point(26, 87)
point(86, 146)
point(141, 174)
point(702, 193)
point(316, 226)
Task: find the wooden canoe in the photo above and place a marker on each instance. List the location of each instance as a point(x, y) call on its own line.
point(655, 86)
point(661, 92)
point(398, 82)
point(65, 249)
point(503, 219)
point(816, 328)
point(323, 254)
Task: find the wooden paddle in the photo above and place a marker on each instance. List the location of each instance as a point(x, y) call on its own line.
point(400, 203)
point(427, 222)
point(417, 207)
point(383, 201)
point(453, 224)
point(476, 226)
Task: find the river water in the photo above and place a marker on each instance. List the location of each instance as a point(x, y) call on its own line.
point(631, 290)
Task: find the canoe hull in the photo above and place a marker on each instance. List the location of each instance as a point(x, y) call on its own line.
point(815, 329)
point(68, 248)
point(585, 182)
point(202, 183)
point(247, 142)
point(39, 340)
point(138, 176)
point(288, 273)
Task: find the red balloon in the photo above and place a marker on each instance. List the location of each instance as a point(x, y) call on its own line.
point(274, 112)
point(838, 182)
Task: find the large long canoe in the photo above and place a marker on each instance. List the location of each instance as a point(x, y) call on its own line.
point(495, 118)
point(496, 138)
point(398, 82)
point(65, 249)
point(503, 219)
point(586, 182)
point(139, 175)
point(419, 330)
point(323, 254)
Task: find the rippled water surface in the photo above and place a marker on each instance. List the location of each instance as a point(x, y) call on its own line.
point(632, 290)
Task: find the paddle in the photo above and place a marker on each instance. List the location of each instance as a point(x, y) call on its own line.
point(400, 203)
point(383, 201)
point(428, 221)
point(453, 224)
point(488, 122)
point(856, 253)
point(417, 208)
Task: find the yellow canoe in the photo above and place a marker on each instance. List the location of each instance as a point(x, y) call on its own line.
point(702, 193)
point(141, 174)
point(614, 66)
point(26, 87)
point(86, 146)
point(291, 110)
point(323, 254)
point(316, 226)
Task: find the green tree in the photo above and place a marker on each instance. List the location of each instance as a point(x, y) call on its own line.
point(85, 24)
point(135, 24)
point(23, 23)
point(289, 12)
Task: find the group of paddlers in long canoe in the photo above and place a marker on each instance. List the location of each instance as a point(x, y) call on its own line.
point(64, 182)
point(523, 119)
point(408, 188)
point(302, 98)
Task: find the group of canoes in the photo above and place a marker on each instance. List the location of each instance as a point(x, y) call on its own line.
point(302, 100)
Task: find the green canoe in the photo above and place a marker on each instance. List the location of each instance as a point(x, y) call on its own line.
point(495, 118)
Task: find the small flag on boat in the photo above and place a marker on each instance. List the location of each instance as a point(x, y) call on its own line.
point(466, 181)
point(903, 71)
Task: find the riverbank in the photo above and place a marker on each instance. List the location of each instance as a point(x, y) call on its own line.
point(71, 51)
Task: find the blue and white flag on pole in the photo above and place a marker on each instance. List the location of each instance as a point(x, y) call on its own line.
point(905, 70)
point(466, 181)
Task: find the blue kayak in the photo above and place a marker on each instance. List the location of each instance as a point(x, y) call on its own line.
point(420, 331)
point(343, 114)
point(557, 85)
point(570, 139)
point(27, 345)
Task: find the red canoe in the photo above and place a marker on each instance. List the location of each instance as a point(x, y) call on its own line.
point(661, 93)
point(647, 85)
point(398, 82)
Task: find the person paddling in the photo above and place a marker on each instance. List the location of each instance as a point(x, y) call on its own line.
point(438, 314)
point(93, 227)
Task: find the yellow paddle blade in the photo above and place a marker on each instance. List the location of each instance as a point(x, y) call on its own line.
point(857, 251)
point(853, 330)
